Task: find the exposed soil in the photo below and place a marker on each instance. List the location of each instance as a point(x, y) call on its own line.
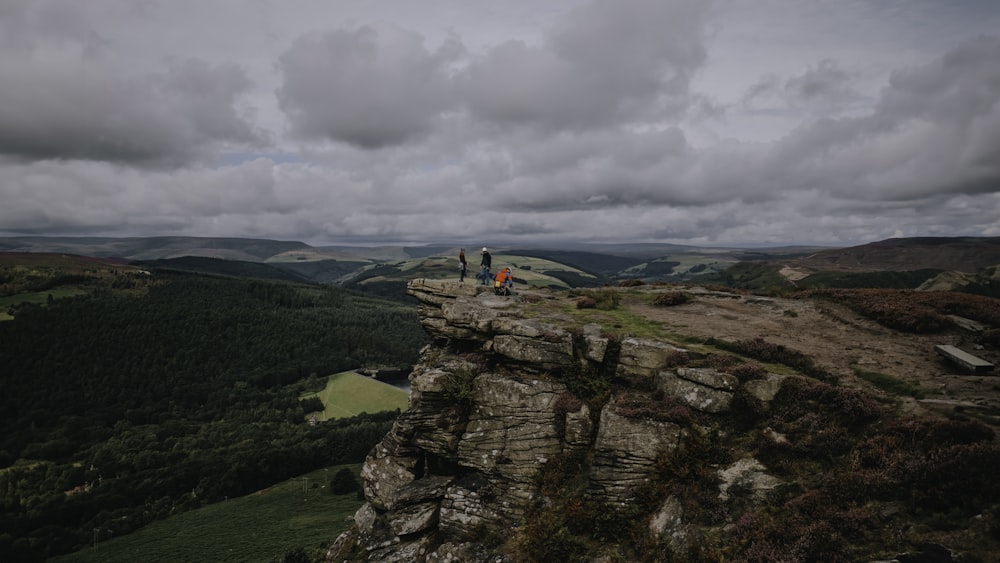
point(840, 341)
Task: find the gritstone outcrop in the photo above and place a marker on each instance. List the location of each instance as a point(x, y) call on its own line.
point(489, 408)
point(522, 417)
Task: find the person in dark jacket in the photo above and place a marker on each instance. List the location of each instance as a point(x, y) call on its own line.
point(463, 266)
point(486, 264)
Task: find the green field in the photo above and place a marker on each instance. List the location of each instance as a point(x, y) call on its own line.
point(263, 526)
point(349, 394)
point(38, 298)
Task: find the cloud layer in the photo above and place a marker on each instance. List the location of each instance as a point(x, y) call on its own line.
point(626, 120)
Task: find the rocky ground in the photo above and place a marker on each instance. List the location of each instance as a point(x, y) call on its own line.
point(841, 341)
point(511, 452)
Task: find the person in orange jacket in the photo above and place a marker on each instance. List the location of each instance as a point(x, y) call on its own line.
point(504, 280)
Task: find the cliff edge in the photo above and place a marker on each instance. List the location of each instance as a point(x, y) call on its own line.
point(539, 429)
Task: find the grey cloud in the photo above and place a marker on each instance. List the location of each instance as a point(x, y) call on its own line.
point(370, 87)
point(766, 85)
point(87, 109)
point(592, 129)
point(825, 89)
point(827, 83)
point(67, 95)
point(610, 61)
point(959, 87)
point(585, 170)
point(935, 130)
point(27, 25)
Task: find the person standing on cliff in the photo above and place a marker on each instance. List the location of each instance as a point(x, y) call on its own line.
point(486, 263)
point(463, 266)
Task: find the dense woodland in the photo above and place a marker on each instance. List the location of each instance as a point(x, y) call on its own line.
point(155, 394)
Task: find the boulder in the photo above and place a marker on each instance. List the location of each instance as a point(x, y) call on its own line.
point(384, 472)
point(668, 525)
point(706, 390)
point(465, 552)
point(477, 503)
point(749, 474)
point(626, 452)
point(414, 518)
point(512, 427)
point(437, 420)
point(644, 357)
point(595, 346)
point(538, 355)
point(764, 390)
point(579, 428)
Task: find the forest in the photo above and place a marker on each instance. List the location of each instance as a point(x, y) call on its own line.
point(150, 394)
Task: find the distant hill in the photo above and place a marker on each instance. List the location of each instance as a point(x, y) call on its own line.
point(382, 269)
point(152, 248)
point(219, 267)
point(956, 263)
point(607, 265)
point(960, 254)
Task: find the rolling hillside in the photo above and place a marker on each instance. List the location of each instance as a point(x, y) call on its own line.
point(959, 263)
point(961, 254)
point(903, 262)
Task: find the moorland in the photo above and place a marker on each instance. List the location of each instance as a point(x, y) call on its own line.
point(143, 378)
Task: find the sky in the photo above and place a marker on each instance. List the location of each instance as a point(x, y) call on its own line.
point(722, 122)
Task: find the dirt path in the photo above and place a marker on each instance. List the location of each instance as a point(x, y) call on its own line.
point(839, 341)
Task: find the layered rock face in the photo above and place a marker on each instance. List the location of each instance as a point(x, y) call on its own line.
point(492, 402)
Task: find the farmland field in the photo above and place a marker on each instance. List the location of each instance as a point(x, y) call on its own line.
point(349, 394)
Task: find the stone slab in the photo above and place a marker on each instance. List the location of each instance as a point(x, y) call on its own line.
point(964, 359)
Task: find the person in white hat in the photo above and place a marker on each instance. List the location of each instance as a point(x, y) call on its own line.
point(486, 263)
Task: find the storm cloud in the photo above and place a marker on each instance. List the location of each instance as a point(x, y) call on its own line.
point(629, 120)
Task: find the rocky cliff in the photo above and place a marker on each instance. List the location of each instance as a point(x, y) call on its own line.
point(535, 432)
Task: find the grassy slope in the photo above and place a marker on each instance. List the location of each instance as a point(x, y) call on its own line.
point(262, 526)
point(349, 394)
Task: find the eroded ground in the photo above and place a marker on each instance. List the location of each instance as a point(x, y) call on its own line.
point(840, 341)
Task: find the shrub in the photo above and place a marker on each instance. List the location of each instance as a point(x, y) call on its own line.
point(675, 358)
point(990, 337)
point(760, 349)
point(631, 283)
point(604, 298)
point(635, 405)
point(297, 555)
point(748, 371)
point(671, 299)
point(566, 403)
point(800, 398)
point(913, 311)
point(458, 387)
point(344, 482)
point(547, 538)
point(586, 303)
